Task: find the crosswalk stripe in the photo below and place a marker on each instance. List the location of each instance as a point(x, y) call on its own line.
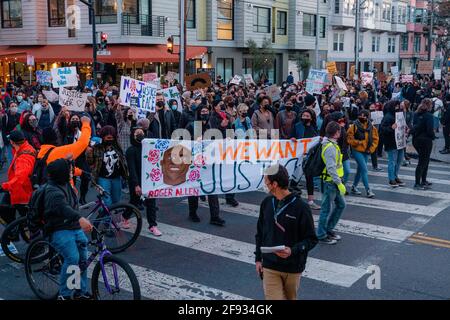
point(414, 163)
point(408, 178)
point(410, 191)
point(345, 226)
point(411, 169)
point(316, 269)
point(160, 286)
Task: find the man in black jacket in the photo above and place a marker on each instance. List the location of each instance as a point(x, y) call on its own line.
point(162, 123)
point(284, 220)
point(445, 121)
point(65, 226)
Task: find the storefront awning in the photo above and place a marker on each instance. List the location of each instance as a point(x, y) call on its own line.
point(83, 53)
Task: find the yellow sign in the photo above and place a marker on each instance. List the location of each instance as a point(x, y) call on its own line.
point(352, 72)
point(331, 67)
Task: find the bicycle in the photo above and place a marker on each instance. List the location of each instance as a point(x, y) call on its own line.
point(43, 261)
point(17, 235)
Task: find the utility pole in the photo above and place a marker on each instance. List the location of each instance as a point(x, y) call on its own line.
point(357, 21)
point(182, 61)
point(430, 34)
point(317, 35)
point(90, 4)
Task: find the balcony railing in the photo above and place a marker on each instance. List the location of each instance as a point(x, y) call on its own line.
point(143, 25)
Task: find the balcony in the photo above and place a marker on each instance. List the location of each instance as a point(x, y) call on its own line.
point(398, 27)
point(143, 25)
point(342, 21)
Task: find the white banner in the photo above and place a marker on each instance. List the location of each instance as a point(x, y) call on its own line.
point(340, 83)
point(172, 93)
point(376, 117)
point(366, 78)
point(72, 99)
point(51, 95)
point(400, 131)
point(145, 92)
point(180, 168)
point(64, 77)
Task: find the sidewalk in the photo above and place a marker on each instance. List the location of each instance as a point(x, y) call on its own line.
point(438, 144)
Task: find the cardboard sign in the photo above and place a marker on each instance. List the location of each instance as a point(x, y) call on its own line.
point(376, 117)
point(145, 92)
point(425, 67)
point(366, 78)
point(147, 77)
point(44, 77)
point(172, 93)
point(407, 78)
point(171, 76)
point(340, 83)
point(211, 71)
point(352, 72)
point(180, 168)
point(437, 74)
point(248, 79)
point(51, 95)
point(72, 99)
point(400, 131)
point(236, 80)
point(198, 81)
point(273, 92)
point(64, 77)
point(331, 67)
point(316, 80)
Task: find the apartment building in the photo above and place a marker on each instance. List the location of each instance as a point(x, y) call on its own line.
point(59, 32)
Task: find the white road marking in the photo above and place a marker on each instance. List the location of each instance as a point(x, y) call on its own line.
point(316, 269)
point(414, 164)
point(345, 226)
point(160, 286)
point(411, 191)
point(405, 177)
point(413, 169)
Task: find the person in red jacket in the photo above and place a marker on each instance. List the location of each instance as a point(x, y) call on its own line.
point(19, 173)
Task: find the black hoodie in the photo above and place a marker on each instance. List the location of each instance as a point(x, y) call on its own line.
point(386, 132)
point(299, 234)
point(61, 203)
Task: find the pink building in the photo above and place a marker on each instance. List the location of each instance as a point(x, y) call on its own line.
point(414, 43)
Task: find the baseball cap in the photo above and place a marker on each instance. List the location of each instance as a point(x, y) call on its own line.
point(16, 136)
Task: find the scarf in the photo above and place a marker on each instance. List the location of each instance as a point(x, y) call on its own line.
point(361, 132)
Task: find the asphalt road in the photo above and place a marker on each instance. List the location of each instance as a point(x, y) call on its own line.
point(403, 233)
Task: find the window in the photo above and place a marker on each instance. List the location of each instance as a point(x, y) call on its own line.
point(105, 11)
point(261, 20)
point(348, 7)
point(338, 42)
point(190, 14)
point(323, 27)
point(225, 20)
point(11, 13)
point(376, 44)
point(417, 44)
point(337, 4)
point(270, 72)
point(404, 40)
point(393, 15)
point(309, 25)
point(418, 13)
point(361, 41)
point(391, 44)
point(281, 23)
point(224, 68)
point(408, 13)
point(386, 16)
point(56, 13)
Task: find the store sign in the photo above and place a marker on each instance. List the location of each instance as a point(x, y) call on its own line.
point(64, 77)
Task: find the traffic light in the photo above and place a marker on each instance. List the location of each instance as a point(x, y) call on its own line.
point(103, 40)
point(170, 44)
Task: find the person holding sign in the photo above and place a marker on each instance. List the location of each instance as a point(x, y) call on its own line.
point(285, 221)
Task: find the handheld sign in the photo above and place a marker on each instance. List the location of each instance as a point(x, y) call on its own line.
point(72, 99)
point(64, 77)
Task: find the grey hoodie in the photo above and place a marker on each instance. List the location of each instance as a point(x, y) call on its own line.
point(330, 159)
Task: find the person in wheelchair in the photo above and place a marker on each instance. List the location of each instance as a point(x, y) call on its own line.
point(65, 227)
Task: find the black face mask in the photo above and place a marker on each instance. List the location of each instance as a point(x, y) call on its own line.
point(139, 138)
point(204, 117)
point(108, 142)
point(306, 121)
point(244, 114)
point(75, 124)
point(288, 108)
point(160, 104)
point(130, 117)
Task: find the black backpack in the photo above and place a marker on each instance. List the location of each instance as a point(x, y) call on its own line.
point(313, 164)
point(36, 208)
point(39, 176)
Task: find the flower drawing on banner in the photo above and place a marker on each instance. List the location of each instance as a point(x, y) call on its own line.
point(194, 175)
point(155, 174)
point(199, 161)
point(198, 148)
point(162, 145)
point(153, 156)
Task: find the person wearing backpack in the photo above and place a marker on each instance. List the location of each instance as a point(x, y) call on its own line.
point(19, 185)
point(445, 121)
point(333, 186)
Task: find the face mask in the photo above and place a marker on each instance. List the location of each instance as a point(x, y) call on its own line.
point(244, 114)
point(266, 188)
point(75, 124)
point(362, 120)
point(107, 142)
point(193, 107)
point(34, 123)
point(13, 109)
point(19, 98)
point(44, 107)
point(204, 117)
point(130, 117)
point(288, 108)
point(160, 104)
point(306, 121)
point(139, 138)
point(174, 107)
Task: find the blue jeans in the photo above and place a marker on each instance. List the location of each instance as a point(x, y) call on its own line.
point(9, 155)
point(346, 165)
point(361, 171)
point(395, 160)
point(72, 246)
point(328, 221)
point(113, 187)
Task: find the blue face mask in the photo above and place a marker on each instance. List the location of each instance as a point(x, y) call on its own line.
point(174, 107)
point(194, 107)
point(19, 98)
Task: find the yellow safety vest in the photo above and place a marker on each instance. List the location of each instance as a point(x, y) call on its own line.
point(339, 166)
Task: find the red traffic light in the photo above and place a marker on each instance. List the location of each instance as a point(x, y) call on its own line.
point(104, 36)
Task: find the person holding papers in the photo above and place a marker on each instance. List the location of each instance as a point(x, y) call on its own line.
point(285, 234)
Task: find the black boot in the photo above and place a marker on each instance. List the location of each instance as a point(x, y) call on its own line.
point(194, 217)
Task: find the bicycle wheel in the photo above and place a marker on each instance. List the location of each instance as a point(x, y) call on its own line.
point(117, 238)
point(42, 269)
point(123, 286)
point(15, 239)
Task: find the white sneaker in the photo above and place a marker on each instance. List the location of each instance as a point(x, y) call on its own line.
point(125, 224)
point(313, 205)
point(155, 231)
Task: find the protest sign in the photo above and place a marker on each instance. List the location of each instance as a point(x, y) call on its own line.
point(331, 67)
point(352, 72)
point(248, 79)
point(198, 81)
point(340, 83)
point(72, 99)
point(147, 77)
point(145, 92)
point(134, 102)
point(211, 71)
point(43, 77)
point(236, 80)
point(180, 168)
point(64, 77)
point(316, 80)
point(171, 76)
point(273, 92)
point(396, 95)
point(172, 93)
point(400, 131)
point(51, 95)
point(394, 70)
point(407, 78)
point(425, 67)
point(437, 74)
point(366, 78)
point(376, 117)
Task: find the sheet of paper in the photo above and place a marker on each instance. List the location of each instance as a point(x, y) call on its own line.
point(272, 249)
